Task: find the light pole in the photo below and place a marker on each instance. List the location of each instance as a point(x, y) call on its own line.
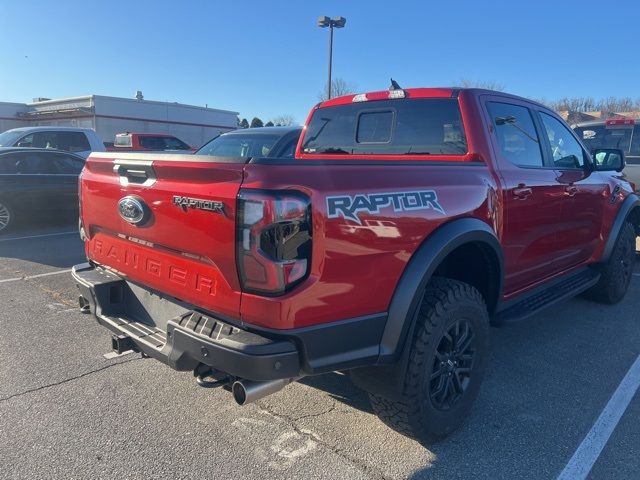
point(337, 22)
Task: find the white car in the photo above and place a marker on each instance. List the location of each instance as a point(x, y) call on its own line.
point(81, 141)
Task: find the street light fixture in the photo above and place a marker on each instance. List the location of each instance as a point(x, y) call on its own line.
point(335, 22)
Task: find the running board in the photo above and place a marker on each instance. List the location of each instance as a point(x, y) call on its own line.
point(561, 289)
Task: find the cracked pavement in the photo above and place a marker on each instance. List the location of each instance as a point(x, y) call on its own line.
point(68, 412)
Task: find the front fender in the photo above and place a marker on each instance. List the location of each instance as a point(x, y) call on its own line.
point(632, 201)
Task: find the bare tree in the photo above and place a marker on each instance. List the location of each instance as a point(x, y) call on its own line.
point(487, 84)
point(284, 120)
point(608, 105)
point(339, 87)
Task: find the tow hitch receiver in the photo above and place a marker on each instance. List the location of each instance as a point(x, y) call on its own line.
point(122, 343)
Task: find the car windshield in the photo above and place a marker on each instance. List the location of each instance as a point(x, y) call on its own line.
point(7, 139)
point(240, 145)
point(421, 126)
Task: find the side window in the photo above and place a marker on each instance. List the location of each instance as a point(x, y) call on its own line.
point(35, 163)
point(26, 141)
point(73, 142)
point(8, 164)
point(566, 151)
point(45, 140)
point(516, 134)
point(289, 150)
point(67, 165)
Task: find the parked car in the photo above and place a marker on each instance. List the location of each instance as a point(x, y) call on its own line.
point(482, 207)
point(81, 141)
point(623, 134)
point(37, 183)
point(254, 142)
point(148, 142)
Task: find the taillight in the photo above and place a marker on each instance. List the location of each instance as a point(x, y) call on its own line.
point(274, 240)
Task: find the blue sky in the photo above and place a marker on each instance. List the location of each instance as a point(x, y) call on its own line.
point(266, 58)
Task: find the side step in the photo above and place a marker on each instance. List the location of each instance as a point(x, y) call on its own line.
point(556, 291)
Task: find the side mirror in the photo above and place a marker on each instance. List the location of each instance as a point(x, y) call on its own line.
point(608, 160)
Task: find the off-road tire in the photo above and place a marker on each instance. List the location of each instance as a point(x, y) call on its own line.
point(617, 271)
point(415, 414)
point(7, 217)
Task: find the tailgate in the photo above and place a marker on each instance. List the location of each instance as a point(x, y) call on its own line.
point(183, 244)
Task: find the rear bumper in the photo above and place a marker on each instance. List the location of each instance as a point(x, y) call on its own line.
point(183, 337)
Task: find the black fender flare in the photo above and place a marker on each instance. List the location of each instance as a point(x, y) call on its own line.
point(387, 376)
point(632, 201)
point(408, 293)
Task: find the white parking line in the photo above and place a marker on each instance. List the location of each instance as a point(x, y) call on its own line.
point(591, 447)
point(39, 236)
point(29, 277)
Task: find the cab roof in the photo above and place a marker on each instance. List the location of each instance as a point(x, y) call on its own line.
point(421, 92)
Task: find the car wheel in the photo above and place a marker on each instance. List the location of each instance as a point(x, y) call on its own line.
point(446, 363)
point(6, 217)
point(617, 271)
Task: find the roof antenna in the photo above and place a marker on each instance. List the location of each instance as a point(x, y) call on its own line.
point(394, 86)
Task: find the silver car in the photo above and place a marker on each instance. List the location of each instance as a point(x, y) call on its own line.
point(623, 134)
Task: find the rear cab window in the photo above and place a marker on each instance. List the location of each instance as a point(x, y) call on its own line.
point(240, 145)
point(420, 126)
point(163, 143)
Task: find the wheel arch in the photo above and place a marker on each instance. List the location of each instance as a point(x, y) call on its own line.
point(451, 242)
point(629, 210)
point(439, 249)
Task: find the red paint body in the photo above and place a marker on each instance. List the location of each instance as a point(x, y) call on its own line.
point(191, 254)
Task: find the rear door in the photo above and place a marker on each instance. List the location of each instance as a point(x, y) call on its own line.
point(40, 190)
point(184, 244)
point(532, 195)
point(66, 169)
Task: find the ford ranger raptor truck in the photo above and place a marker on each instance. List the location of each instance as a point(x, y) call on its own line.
point(408, 221)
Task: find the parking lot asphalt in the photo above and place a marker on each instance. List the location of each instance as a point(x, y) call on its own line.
point(66, 411)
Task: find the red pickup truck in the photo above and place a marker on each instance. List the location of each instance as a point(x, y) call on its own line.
point(408, 222)
point(149, 142)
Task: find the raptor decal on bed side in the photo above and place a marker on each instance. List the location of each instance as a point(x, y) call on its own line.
point(348, 206)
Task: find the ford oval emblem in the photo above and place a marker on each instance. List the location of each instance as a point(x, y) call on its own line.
point(132, 210)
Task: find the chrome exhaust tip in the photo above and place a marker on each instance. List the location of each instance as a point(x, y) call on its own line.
point(248, 391)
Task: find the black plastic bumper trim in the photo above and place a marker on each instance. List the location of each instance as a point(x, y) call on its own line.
point(190, 337)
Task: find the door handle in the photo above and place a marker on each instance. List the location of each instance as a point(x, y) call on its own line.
point(571, 190)
point(521, 192)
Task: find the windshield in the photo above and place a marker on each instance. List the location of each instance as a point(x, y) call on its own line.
point(240, 145)
point(422, 126)
point(7, 139)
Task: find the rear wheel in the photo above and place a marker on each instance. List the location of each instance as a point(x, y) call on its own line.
point(617, 271)
point(446, 363)
point(6, 217)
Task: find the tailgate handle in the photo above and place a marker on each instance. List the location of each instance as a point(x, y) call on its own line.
point(136, 174)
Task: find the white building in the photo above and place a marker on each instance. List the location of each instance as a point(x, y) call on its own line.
point(110, 115)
